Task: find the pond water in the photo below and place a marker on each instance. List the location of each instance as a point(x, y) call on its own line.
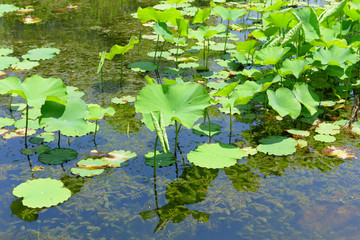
point(302, 196)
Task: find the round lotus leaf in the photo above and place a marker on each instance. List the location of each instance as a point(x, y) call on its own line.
point(43, 137)
point(215, 155)
point(299, 133)
point(324, 138)
point(173, 71)
point(5, 51)
point(328, 128)
point(301, 143)
point(204, 128)
point(118, 158)
point(162, 159)
point(57, 156)
point(25, 65)
point(26, 151)
point(277, 145)
point(41, 54)
point(42, 192)
point(189, 65)
point(41, 149)
point(85, 172)
point(143, 66)
point(123, 100)
point(96, 112)
point(6, 62)
point(159, 54)
point(4, 122)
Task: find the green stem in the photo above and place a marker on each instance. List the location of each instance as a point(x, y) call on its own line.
point(59, 135)
point(156, 141)
point(26, 124)
point(230, 122)
point(207, 113)
point(177, 51)
point(249, 120)
point(208, 53)
point(176, 135)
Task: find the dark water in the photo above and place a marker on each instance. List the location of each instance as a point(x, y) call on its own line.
point(302, 196)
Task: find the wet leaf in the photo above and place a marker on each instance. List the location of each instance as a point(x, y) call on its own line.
point(298, 133)
point(85, 172)
point(24, 65)
point(339, 152)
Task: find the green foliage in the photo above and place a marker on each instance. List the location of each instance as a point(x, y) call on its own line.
point(277, 145)
point(116, 49)
point(57, 156)
point(41, 54)
point(206, 129)
point(163, 159)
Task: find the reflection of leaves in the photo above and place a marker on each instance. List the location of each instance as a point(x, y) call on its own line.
point(242, 178)
point(74, 184)
point(25, 213)
point(339, 152)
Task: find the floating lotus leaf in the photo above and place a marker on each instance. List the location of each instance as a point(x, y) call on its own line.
point(328, 128)
point(96, 112)
point(6, 8)
point(188, 65)
point(57, 156)
point(324, 138)
point(182, 102)
point(249, 151)
point(160, 54)
point(33, 124)
point(5, 51)
point(123, 100)
point(298, 133)
point(42, 192)
point(6, 62)
point(26, 151)
point(24, 65)
point(277, 145)
point(162, 159)
point(204, 128)
point(4, 122)
point(41, 54)
point(18, 133)
point(270, 55)
point(339, 152)
point(355, 130)
point(143, 66)
point(118, 158)
point(41, 149)
point(84, 172)
point(92, 164)
point(215, 155)
point(301, 143)
point(43, 137)
point(341, 122)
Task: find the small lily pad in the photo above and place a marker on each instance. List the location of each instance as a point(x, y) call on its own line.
point(43, 137)
point(6, 62)
point(123, 100)
point(18, 133)
point(189, 65)
point(301, 143)
point(84, 172)
point(57, 156)
point(277, 145)
point(249, 151)
point(143, 66)
point(173, 71)
point(339, 152)
point(159, 54)
point(328, 128)
point(5, 51)
point(298, 133)
point(355, 131)
point(215, 155)
point(26, 151)
point(42, 192)
point(162, 159)
point(41, 149)
point(204, 128)
point(41, 54)
point(25, 65)
point(324, 138)
point(92, 163)
point(4, 122)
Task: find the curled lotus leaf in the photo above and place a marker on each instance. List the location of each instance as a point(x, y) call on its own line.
point(339, 152)
point(42, 192)
point(118, 158)
point(328, 128)
point(215, 155)
point(96, 112)
point(277, 145)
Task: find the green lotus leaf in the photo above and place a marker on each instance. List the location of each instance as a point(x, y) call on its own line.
point(206, 32)
point(215, 155)
point(173, 71)
point(41, 149)
point(116, 49)
point(168, 15)
point(249, 151)
point(5, 51)
point(284, 102)
point(270, 55)
point(226, 90)
point(188, 65)
point(203, 129)
point(33, 124)
point(275, 7)
point(26, 151)
point(247, 47)
point(4, 122)
point(41, 54)
point(57, 156)
point(228, 13)
point(24, 65)
point(160, 54)
point(341, 122)
point(92, 164)
point(226, 110)
point(35, 89)
point(143, 66)
point(306, 97)
point(118, 158)
point(18, 106)
point(162, 159)
point(300, 133)
point(123, 100)
point(333, 11)
point(336, 56)
point(294, 67)
point(280, 19)
point(277, 145)
point(96, 112)
point(42, 192)
point(182, 102)
point(310, 23)
point(6, 8)
point(324, 138)
point(328, 128)
point(43, 137)
point(201, 15)
point(6, 62)
point(84, 172)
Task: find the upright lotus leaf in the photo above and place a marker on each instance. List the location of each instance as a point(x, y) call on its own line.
point(284, 102)
point(68, 119)
point(309, 21)
point(168, 15)
point(336, 56)
point(6, 8)
point(206, 32)
point(6, 62)
point(333, 11)
point(270, 55)
point(228, 13)
point(182, 102)
point(215, 155)
point(183, 27)
point(35, 89)
point(203, 129)
point(96, 112)
point(292, 34)
point(41, 54)
point(162, 30)
point(116, 49)
point(294, 66)
point(42, 192)
point(306, 97)
point(276, 6)
point(277, 145)
point(225, 91)
point(201, 15)
point(247, 47)
point(280, 19)
point(57, 156)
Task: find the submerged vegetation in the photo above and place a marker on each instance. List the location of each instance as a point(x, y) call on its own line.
point(262, 87)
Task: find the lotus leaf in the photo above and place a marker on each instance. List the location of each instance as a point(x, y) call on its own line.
point(17, 133)
point(5, 51)
point(336, 56)
point(184, 103)
point(43, 137)
point(92, 164)
point(228, 13)
point(118, 158)
point(41, 54)
point(123, 100)
point(57, 156)
point(339, 152)
point(26, 151)
point(84, 172)
point(277, 145)
point(294, 67)
point(328, 128)
point(280, 19)
point(42, 192)
point(249, 151)
point(310, 23)
point(215, 155)
point(5, 8)
point(162, 159)
point(188, 65)
point(301, 143)
point(201, 15)
point(324, 138)
point(116, 49)
point(96, 112)
point(168, 15)
point(6, 62)
point(4, 122)
point(298, 133)
point(41, 149)
point(24, 65)
point(306, 97)
point(204, 129)
point(270, 55)
point(143, 66)
point(284, 102)
point(33, 124)
point(18, 106)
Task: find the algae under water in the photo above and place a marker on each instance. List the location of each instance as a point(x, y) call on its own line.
point(302, 196)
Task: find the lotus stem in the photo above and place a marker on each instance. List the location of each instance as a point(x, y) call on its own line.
point(208, 53)
point(11, 98)
point(155, 187)
point(26, 124)
point(177, 51)
point(140, 37)
point(249, 120)
point(177, 129)
point(230, 122)
point(207, 113)
point(59, 138)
